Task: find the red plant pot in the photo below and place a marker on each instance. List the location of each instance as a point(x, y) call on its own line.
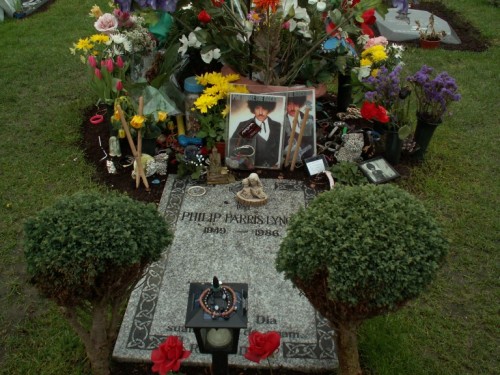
point(429, 44)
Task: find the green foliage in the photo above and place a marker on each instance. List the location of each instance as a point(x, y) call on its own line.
point(347, 173)
point(72, 247)
point(377, 243)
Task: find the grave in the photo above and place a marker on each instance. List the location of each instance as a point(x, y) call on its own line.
point(400, 30)
point(217, 236)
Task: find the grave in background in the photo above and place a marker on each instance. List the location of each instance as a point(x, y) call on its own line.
point(216, 236)
point(400, 30)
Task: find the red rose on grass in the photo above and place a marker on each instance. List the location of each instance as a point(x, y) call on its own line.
point(262, 345)
point(169, 355)
point(372, 111)
point(204, 17)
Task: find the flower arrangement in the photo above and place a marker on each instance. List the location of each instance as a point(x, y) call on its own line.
point(211, 106)
point(169, 355)
point(274, 42)
point(429, 32)
point(120, 36)
point(262, 346)
point(377, 52)
point(107, 77)
point(389, 92)
point(434, 93)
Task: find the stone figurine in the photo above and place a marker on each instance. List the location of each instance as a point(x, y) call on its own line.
point(252, 191)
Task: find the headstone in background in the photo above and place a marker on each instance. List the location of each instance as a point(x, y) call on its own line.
point(400, 30)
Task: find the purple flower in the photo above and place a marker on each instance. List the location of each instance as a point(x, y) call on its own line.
point(434, 94)
point(162, 5)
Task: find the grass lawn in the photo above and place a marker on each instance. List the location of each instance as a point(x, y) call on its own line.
point(452, 329)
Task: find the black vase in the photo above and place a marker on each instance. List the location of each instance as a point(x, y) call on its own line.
point(344, 95)
point(423, 135)
point(393, 146)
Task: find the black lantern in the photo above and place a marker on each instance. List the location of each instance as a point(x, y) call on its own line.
point(216, 313)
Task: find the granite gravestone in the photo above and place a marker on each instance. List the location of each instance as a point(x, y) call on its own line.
point(216, 236)
point(396, 29)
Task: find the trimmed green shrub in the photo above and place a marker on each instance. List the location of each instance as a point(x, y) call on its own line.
point(361, 251)
point(86, 252)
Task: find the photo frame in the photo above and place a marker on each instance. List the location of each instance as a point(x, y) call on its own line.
point(256, 129)
point(298, 100)
point(378, 170)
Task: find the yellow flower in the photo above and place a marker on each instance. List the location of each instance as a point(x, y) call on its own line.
point(84, 44)
point(375, 54)
point(162, 116)
point(95, 11)
point(374, 72)
point(99, 38)
point(225, 111)
point(204, 102)
point(137, 121)
point(116, 115)
point(365, 62)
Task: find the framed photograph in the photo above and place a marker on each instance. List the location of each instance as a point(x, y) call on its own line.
point(378, 170)
point(297, 100)
point(256, 130)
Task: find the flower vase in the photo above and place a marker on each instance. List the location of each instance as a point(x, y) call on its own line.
point(423, 135)
point(149, 146)
point(344, 93)
point(429, 44)
point(393, 146)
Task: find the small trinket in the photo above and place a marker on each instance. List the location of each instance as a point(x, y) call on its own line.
point(111, 167)
point(114, 147)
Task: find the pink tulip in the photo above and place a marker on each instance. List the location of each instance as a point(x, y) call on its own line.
point(119, 62)
point(92, 61)
point(98, 73)
point(119, 85)
point(109, 65)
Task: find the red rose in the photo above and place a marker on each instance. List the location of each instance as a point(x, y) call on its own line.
point(169, 355)
point(330, 28)
point(372, 111)
point(367, 30)
point(204, 17)
point(369, 17)
point(217, 3)
point(262, 345)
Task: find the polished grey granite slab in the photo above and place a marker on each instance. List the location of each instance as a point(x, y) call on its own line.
point(216, 236)
point(398, 30)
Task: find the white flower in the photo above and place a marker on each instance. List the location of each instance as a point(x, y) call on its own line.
point(107, 23)
point(301, 14)
point(184, 45)
point(303, 28)
point(321, 6)
point(362, 39)
point(364, 71)
point(193, 40)
point(121, 39)
point(210, 55)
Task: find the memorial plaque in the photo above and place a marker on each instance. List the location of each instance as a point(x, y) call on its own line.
point(216, 236)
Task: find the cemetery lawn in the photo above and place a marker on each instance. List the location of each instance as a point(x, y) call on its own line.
point(452, 329)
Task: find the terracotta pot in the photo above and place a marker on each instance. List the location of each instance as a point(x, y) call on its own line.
point(429, 44)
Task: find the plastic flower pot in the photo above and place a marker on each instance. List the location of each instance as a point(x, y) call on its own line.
point(429, 44)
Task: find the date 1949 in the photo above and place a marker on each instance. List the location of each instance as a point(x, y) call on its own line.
point(257, 232)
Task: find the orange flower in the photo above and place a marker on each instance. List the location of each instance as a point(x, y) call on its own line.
point(266, 4)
